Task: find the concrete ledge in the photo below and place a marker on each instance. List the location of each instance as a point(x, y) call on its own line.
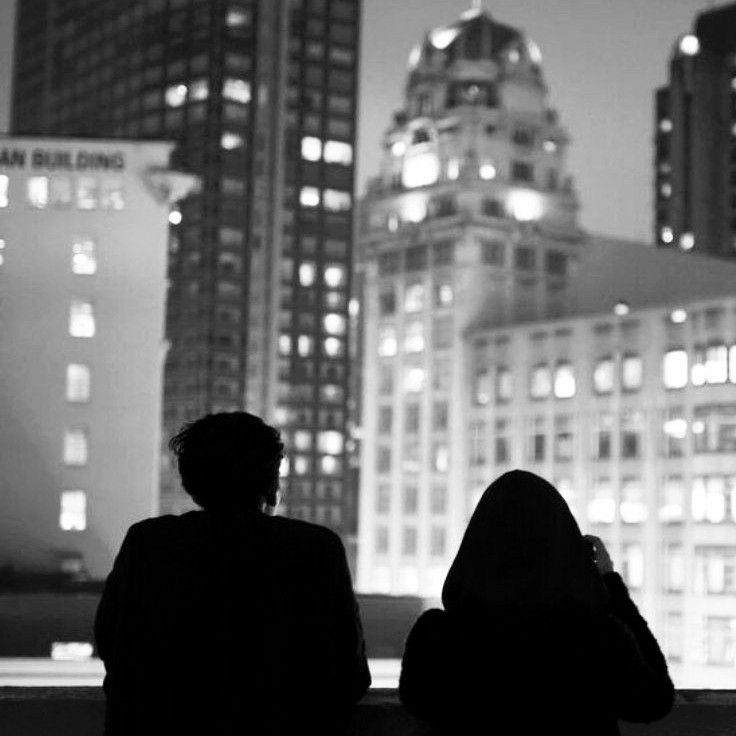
point(49, 711)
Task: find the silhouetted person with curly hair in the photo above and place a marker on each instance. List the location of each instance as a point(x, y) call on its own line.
point(230, 620)
point(538, 634)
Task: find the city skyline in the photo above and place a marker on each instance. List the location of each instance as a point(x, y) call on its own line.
point(632, 41)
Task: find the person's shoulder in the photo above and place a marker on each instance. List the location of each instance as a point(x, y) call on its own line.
point(297, 531)
point(431, 621)
point(165, 526)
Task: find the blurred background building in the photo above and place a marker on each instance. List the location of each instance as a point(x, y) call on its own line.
point(498, 335)
point(260, 98)
point(83, 235)
point(695, 139)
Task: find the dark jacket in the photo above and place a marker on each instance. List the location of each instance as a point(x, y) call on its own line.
point(532, 640)
point(224, 624)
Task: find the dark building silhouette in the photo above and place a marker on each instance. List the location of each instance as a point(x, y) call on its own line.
point(695, 159)
point(260, 97)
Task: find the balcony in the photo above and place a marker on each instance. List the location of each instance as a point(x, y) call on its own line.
point(43, 711)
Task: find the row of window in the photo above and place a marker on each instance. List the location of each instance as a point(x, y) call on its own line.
point(437, 542)
point(332, 200)
point(175, 95)
point(297, 465)
point(331, 152)
point(84, 192)
point(410, 458)
point(712, 364)
point(412, 418)
point(410, 499)
point(332, 347)
point(317, 514)
point(334, 275)
point(415, 298)
point(414, 340)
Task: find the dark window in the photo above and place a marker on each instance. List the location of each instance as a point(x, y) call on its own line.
point(416, 257)
point(522, 171)
point(493, 252)
point(555, 263)
point(523, 137)
point(525, 258)
point(444, 253)
point(492, 208)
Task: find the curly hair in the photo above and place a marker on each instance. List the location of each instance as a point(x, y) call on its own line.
point(229, 460)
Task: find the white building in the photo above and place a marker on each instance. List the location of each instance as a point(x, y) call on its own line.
point(83, 249)
point(489, 320)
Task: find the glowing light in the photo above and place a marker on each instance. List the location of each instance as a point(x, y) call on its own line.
point(414, 208)
point(311, 148)
point(387, 343)
point(71, 651)
point(687, 241)
point(284, 344)
point(415, 56)
point(441, 38)
point(689, 45)
point(330, 442)
point(332, 346)
point(84, 261)
point(666, 190)
point(81, 319)
point(514, 56)
point(73, 513)
point(453, 169)
point(675, 428)
point(175, 217)
point(306, 274)
point(525, 205)
point(665, 125)
point(398, 148)
point(420, 170)
point(305, 345)
point(336, 200)
point(633, 512)
point(564, 386)
point(678, 316)
point(414, 379)
point(666, 235)
point(237, 90)
point(231, 141)
point(334, 324)
point(602, 510)
point(621, 309)
point(309, 197)
point(487, 171)
point(176, 95)
point(698, 426)
point(535, 53)
point(550, 146)
point(38, 191)
point(392, 223)
point(338, 152)
point(353, 307)
point(674, 370)
point(334, 276)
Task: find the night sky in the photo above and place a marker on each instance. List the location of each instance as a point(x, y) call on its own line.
point(602, 60)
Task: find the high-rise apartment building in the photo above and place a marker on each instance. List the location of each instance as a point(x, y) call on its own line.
point(260, 98)
point(83, 236)
point(695, 139)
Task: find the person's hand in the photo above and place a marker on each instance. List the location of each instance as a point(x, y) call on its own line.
point(602, 559)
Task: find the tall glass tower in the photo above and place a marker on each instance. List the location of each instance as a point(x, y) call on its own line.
point(260, 98)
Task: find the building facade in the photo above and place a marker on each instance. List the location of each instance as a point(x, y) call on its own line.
point(471, 214)
point(260, 98)
point(695, 140)
point(83, 238)
point(633, 419)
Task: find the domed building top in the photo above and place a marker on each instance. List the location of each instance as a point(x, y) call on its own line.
point(475, 37)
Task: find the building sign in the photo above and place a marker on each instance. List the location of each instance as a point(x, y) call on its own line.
point(49, 159)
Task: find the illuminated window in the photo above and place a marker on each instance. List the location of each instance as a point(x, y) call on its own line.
point(305, 345)
point(720, 641)
point(2, 248)
point(334, 324)
point(330, 442)
point(481, 387)
point(73, 511)
point(300, 465)
point(631, 372)
point(387, 342)
point(633, 565)
point(666, 235)
point(238, 18)
point(307, 273)
point(334, 276)
point(441, 458)
point(330, 465)
point(112, 195)
point(414, 298)
point(4, 190)
point(337, 152)
point(231, 141)
point(176, 95)
point(421, 169)
point(81, 319)
point(602, 507)
point(309, 197)
point(199, 90)
point(302, 440)
point(71, 651)
point(84, 260)
point(716, 364)
point(540, 385)
point(333, 347)
point(77, 382)
point(525, 206)
point(284, 344)
point(443, 295)
point(37, 191)
point(708, 502)
point(237, 90)
point(487, 171)
point(75, 447)
point(633, 510)
point(311, 148)
point(87, 193)
point(413, 379)
point(453, 169)
point(603, 375)
point(336, 200)
point(690, 45)
point(672, 499)
point(564, 384)
point(414, 337)
point(674, 369)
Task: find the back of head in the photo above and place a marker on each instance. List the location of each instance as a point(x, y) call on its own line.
point(229, 461)
point(523, 552)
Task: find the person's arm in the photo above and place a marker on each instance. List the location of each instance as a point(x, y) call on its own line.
point(423, 685)
point(644, 689)
point(640, 684)
point(352, 666)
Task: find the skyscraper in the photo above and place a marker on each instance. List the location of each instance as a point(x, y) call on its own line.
point(695, 158)
point(260, 98)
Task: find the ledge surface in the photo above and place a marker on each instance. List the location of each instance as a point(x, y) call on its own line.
point(49, 711)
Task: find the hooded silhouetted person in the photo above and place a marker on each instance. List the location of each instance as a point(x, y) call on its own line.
point(533, 639)
point(230, 620)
